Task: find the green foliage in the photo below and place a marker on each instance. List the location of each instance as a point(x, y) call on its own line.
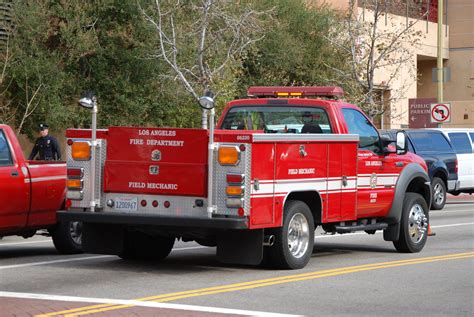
point(294, 49)
point(60, 49)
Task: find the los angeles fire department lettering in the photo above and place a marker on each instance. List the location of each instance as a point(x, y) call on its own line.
point(157, 132)
point(165, 143)
point(172, 143)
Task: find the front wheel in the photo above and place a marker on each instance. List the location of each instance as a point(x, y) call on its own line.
point(439, 194)
point(294, 241)
point(67, 237)
point(413, 224)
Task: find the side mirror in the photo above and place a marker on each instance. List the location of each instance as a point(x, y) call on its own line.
point(402, 146)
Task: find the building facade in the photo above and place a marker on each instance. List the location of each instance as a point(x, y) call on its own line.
point(421, 85)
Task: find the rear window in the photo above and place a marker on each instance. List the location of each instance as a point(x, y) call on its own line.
point(460, 142)
point(430, 142)
point(274, 119)
point(5, 155)
point(472, 136)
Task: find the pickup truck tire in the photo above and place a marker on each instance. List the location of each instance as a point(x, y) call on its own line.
point(67, 237)
point(439, 194)
point(294, 241)
point(141, 246)
point(414, 224)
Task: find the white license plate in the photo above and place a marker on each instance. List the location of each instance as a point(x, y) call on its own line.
point(126, 204)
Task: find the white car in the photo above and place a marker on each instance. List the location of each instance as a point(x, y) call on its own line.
point(462, 141)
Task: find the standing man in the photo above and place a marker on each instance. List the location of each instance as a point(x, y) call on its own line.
point(46, 146)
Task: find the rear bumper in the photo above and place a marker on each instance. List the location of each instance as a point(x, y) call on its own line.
point(453, 185)
point(152, 220)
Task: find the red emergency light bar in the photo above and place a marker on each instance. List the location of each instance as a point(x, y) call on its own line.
point(302, 91)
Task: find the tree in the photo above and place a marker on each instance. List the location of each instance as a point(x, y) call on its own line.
point(372, 41)
point(202, 40)
point(294, 50)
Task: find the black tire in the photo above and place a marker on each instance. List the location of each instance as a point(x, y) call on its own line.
point(141, 246)
point(413, 236)
point(67, 237)
point(279, 255)
point(438, 200)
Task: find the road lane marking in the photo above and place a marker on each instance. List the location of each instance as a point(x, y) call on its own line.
point(141, 304)
point(262, 283)
point(25, 242)
point(15, 266)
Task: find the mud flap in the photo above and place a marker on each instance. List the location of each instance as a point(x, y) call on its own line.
point(240, 247)
point(102, 238)
point(392, 233)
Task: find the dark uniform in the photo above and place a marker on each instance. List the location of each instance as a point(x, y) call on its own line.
point(46, 147)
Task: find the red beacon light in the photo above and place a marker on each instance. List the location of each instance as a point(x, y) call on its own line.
point(295, 92)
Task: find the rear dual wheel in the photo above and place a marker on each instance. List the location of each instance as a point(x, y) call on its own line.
point(294, 241)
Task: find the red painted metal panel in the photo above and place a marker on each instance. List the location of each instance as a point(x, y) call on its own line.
point(48, 188)
point(172, 178)
point(262, 206)
point(175, 145)
point(349, 169)
point(86, 133)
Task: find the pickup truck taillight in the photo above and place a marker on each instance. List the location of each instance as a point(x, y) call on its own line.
point(456, 166)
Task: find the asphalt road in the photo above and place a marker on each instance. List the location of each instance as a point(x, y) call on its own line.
point(356, 274)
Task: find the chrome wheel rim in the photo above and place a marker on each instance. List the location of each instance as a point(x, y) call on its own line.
point(438, 195)
point(75, 231)
point(417, 223)
point(298, 235)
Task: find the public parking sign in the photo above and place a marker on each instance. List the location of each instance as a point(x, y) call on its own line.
point(440, 112)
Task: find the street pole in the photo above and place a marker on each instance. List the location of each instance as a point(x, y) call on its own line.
point(439, 66)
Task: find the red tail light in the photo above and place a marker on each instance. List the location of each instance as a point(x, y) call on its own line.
point(456, 166)
point(75, 172)
point(235, 178)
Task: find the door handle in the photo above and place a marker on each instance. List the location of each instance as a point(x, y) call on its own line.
point(14, 173)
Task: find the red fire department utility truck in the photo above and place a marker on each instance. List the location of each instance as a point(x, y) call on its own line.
point(281, 162)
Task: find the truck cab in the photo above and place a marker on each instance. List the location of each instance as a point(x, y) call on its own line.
point(281, 162)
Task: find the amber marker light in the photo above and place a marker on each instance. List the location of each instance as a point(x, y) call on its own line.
point(81, 151)
point(234, 190)
point(74, 184)
point(228, 155)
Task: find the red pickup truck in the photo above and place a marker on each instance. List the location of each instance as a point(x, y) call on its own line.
point(281, 162)
point(30, 194)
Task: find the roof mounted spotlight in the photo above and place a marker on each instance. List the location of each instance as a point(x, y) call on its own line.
point(88, 101)
point(207, 101)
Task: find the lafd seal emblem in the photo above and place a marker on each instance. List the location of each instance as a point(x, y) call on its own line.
point(156, 155)
point(373, 180)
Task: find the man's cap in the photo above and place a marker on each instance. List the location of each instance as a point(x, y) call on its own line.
point(42, 126)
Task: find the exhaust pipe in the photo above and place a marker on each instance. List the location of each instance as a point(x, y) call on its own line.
point(268, 241)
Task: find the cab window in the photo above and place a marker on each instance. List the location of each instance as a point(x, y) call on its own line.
point(357, 123)
point(5, 155)
point(460, 142)
point(275, 119)
point(430, 141)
